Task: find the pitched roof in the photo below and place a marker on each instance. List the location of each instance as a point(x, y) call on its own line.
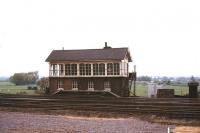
point(89, 54)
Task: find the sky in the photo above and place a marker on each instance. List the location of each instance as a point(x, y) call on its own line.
point(163, 36)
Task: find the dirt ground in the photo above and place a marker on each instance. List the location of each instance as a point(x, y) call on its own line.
point(31, 120)
point(186, 129)
point(19, 122)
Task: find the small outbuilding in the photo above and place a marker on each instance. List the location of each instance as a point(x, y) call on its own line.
point(193, 88)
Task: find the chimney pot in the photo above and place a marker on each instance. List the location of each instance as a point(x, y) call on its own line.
point(106, 45)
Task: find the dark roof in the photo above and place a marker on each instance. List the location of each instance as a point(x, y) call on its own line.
point(89, 54)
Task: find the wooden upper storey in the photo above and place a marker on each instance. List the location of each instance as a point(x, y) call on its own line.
point(110, 62)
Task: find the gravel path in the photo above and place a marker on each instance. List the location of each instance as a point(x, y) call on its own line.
point(16, 122)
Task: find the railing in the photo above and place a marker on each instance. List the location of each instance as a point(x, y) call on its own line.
point(58, 73)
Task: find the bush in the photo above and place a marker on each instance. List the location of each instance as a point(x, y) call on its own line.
point(22, 93)
point(29, 88)
point(39, 92)
point(43, 83)
point(32, 87)
point(35, 88)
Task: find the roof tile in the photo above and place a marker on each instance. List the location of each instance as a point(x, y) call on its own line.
point(88, 54)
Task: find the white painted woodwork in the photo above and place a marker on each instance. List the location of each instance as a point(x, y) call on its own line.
point(123, 68)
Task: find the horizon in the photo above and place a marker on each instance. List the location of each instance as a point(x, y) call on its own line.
point(41, 76)
point(162, 36)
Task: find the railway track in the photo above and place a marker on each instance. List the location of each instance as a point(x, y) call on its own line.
point(174, 108)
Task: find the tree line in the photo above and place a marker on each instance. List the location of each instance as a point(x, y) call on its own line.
point(24, 78)
point(30, 78)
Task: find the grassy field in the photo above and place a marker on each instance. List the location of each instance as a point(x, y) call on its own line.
point(9, 88)
point(141, 89)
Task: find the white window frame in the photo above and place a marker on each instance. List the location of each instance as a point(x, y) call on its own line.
point(60, 85)
point(107, 86)
point(54, 70)
point(88, 69)
point(116, 69)
point(101, 66)
point(109, 68)
point(69, 69)
point(97, 67)
point(74, 85)
point(61, 69)
point(90, 86)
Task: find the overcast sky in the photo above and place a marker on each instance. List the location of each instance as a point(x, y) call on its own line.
point(163, 36)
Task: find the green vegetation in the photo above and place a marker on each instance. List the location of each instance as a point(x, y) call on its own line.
point(141, 89)
point(24, 78)
point(10, 88)
point(179, 90)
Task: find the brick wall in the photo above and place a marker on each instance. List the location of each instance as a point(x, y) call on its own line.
point(119, 85)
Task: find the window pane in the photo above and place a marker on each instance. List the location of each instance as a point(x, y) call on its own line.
point(60, 84)
point(90, 84)
point(102, 69)
point(67, 69)
point(109, 69)
point(95, 69)
point(116, 68)
point(82, 69)
point(107, 85)
point(88, 69)
point(74, 84)
point(73, 69)
point(61, 69)
point(54, 69)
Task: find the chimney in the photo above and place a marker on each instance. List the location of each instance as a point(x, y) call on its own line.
point(106, 46)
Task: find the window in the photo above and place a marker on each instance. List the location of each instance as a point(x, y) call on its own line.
point(95, 69)
point(60, 85)
point(82, 69)
point(74, 85)
point(107, 86)
point(67, 69)
point(116, 68)
point(70, 69)
point(99, 69)
point(113, 69)
point(88, 69)
point(91, 86)
point(73, 69)
point(54, 69)
point(85, 69)
point(125, 68)
point(109, 69)
point(61, 70)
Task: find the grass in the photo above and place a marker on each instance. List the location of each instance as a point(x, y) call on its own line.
point(141, 89)
point(181, 90)
point(10, 88)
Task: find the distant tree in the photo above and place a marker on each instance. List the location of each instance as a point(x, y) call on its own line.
point(144, 78)
point(167, 82)
point(32, 77)
point(43, 83)
point(24, 78)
